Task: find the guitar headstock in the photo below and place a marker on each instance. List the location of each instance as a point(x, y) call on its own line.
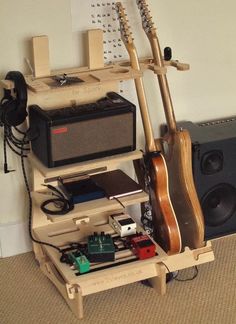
point(147, 22)
point(126, 34)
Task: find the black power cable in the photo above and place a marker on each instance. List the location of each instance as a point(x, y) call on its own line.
point(30, 200)
point(64, 205)
point(18, 146)
point(173, 276)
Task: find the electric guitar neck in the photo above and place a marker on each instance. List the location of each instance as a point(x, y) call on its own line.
point(159, 66)
point(126, 36)
point(164, 219)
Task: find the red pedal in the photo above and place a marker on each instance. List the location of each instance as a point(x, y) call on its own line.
point(143, 247)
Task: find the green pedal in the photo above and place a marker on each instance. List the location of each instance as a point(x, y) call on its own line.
point(81, 263)
point(101, 248)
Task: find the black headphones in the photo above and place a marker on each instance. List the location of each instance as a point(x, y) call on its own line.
point(13, 110)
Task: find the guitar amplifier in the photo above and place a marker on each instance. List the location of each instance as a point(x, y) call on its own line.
point(84, 132)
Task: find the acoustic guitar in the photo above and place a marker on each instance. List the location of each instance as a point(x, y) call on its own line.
point(176, 149)
point(166, 229)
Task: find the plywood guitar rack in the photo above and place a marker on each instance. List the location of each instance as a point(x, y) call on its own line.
point(92, 216)
point(86, 219)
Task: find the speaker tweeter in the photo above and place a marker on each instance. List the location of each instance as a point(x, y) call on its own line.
point(212, 162)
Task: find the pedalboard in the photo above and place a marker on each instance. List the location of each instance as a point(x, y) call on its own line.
point(102, 248)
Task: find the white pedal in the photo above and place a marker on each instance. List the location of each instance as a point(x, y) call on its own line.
point(123, 224)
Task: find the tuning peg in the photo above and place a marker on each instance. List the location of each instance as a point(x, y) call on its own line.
point(167, 53)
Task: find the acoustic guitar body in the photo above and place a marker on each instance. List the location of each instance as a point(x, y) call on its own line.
point(178, 151)
point(164, 222)
point(166, 228)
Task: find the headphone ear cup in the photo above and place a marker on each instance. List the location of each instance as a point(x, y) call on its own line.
point(13, 115)
point(6, 106)
point(11, 112)
point(16, 108)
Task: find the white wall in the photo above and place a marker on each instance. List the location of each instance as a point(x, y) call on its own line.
point(19, 21)
point(202, 33)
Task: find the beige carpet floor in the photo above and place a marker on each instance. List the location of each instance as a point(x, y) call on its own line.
point(28, 297)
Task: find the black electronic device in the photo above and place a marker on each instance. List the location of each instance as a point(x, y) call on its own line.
point(14, 102)
point(214, 160)
point(84, 132)
point(81, 190)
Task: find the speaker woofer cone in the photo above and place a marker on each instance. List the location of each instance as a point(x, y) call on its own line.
point(219, 204)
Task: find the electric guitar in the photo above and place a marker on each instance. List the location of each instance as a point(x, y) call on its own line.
point(176, 149)
point(166, 230)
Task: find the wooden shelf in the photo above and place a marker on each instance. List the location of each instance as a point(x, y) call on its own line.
point(130, 271)
point(102, 277)
point(63, 234)
point(91, 207)
point(97, 82)
point(110, 163)
point(43, 92)
point(112, 72)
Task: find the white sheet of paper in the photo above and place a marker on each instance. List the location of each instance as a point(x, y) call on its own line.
point(92, 14)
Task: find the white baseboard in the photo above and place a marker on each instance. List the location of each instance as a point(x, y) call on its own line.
point(14, 239)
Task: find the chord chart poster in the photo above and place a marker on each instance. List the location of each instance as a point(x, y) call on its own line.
point(93, 14)
point(102, 14)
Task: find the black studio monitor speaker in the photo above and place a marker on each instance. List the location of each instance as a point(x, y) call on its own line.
point(214, 171)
